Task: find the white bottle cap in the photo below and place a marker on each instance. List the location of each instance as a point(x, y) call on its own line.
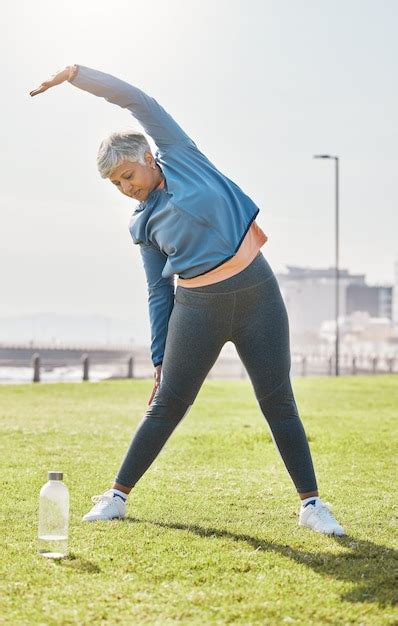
point(55, 475)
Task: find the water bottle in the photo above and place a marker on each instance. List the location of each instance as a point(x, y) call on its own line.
point(53, 517)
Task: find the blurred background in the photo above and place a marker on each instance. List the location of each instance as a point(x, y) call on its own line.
point(261, 86)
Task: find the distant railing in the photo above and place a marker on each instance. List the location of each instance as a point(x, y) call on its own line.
point(95, 364)
point(67, 347)
point(349, 364)
point(85, 363)
point(231, 367)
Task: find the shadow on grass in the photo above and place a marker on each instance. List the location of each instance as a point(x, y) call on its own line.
point(371, 567)
point(77, 563)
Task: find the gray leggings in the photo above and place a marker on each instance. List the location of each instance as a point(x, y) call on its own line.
point(248, 310)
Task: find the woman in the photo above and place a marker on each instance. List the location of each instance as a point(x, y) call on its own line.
point(195, 222)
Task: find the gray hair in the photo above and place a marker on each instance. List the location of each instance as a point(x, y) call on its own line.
point(125, 145)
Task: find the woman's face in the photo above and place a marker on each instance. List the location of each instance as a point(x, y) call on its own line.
point(136, 180)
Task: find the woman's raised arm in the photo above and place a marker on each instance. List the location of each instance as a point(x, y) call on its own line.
point(159, 124)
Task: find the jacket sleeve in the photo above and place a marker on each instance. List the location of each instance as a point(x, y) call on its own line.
point(160, 299)
point(157, 123)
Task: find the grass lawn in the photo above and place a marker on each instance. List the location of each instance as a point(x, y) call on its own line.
point(211, 534)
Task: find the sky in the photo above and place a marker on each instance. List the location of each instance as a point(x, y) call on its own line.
point(260, 85)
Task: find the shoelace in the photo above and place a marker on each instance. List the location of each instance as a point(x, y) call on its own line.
point(101, 498)
point(324, 512)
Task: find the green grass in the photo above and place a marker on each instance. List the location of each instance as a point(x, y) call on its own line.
point(211, 534)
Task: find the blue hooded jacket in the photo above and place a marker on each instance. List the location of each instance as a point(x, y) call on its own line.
point(193, 225)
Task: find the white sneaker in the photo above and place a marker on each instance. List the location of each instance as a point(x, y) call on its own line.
point(107, 507)
point(318, 517)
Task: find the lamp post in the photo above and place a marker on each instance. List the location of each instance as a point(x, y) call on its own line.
point(337, 292)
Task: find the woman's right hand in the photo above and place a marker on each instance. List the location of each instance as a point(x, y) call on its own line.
point(55, 79)
point(157, 375)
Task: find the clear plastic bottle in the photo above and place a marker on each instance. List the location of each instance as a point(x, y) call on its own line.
point(53, 517)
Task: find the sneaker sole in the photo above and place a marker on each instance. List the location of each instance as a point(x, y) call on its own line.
point(338, 534)
point(101, 519)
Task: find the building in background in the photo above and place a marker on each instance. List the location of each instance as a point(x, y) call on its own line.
point(375, 300)
point(309, 295)
point(395, 295)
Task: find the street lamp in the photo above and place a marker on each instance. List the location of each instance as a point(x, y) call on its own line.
point(336, 162)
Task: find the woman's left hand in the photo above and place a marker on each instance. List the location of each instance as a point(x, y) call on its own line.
point(56, 79)
point(156, 375)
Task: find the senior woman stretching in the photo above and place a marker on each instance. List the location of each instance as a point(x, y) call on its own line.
point(194, 222)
